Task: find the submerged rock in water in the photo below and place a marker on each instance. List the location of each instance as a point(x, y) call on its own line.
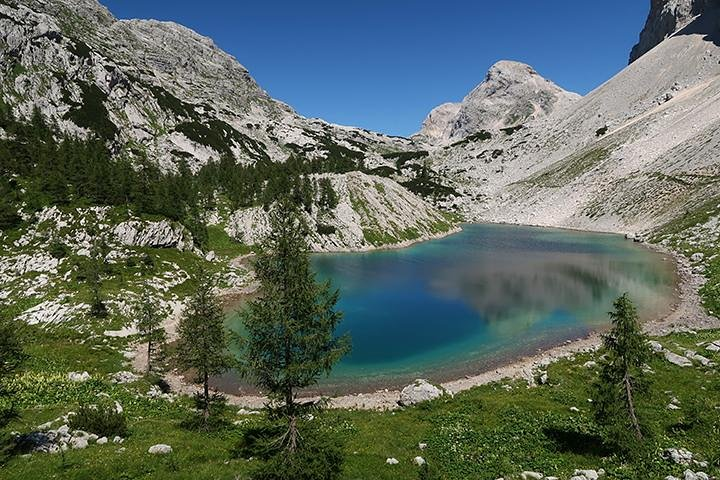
point(419, 391)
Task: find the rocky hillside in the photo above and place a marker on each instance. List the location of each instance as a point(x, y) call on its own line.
point(159, 92)
point(511, 94)
point(633, 154)
point(370, 212)
point(155, 89)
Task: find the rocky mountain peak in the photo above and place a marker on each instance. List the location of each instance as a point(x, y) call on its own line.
point(511, 94)
point(667, 17)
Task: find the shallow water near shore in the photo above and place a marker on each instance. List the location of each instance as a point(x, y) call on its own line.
point(469, 302)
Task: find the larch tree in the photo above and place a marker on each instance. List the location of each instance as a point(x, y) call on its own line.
point(290, 339)
point(148, 318)
point(203, 341)
point(625, 351)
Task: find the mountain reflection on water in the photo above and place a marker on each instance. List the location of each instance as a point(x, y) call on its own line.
point(448, 307)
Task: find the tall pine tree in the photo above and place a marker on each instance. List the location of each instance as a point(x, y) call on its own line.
point(148, 321)
point(291, 337)
point(202, 338)
point(625, 350)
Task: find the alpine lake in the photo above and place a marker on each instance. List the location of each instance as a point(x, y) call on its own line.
point(472, 301)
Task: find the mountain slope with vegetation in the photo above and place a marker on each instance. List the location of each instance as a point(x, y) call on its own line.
point(140, 168)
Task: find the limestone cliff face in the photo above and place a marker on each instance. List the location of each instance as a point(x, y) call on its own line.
point(511, 94)
point(667, 17)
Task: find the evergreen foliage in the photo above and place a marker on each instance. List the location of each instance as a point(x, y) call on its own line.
point(328, 197)
point(202, 345)
point(103, 419)
point(39, 168)
point(12, 357)
point(290, 338)
point(625, 351)
point(320, 458)
point(148, 320)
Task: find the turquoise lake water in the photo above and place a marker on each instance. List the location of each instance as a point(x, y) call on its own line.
point(469, 302)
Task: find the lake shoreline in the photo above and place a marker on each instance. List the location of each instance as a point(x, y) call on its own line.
point(684, 313)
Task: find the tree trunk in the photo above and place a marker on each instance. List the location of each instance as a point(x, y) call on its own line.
point(206, 399)
point(149, 354)
point(292, 433)
point(631, 408)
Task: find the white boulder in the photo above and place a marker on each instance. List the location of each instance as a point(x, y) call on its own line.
point(160, 449)
point(676, 359)
point(78, 377)
point(419, 391)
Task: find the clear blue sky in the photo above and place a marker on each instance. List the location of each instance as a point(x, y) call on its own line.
point(383, 64)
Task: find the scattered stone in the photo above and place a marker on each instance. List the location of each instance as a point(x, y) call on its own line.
point(419, 461)
point(422, 446)
point(79, 443)
point(124, 377)
point(531, 476)
point(676, 359)
point(585, 475)
point(78, 376)
point(160, 449)
point(101, 441)
point(656, 346)
point(679, 456)
point(243, 411)
point(697, 257)
point(419, 391)
point(117, 439)
point(543, 379)
point(713, 347)
point(690, 475)
point(590, 364)
point(574, 409)
point(672, 406)
point(392, 461)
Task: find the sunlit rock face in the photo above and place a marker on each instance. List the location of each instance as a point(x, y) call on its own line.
point(511, 94)
point(665, 18)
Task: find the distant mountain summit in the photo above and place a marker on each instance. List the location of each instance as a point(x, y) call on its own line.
point(667, 17)
point(512, 94)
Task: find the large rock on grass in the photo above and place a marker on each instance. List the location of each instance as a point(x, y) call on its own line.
point(419, 391)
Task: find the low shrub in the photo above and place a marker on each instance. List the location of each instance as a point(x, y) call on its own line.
point(104, 419)
point(319, 455)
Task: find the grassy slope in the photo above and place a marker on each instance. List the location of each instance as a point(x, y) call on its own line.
point(483, 433)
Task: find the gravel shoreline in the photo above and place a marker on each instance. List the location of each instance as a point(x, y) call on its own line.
point(687, 314)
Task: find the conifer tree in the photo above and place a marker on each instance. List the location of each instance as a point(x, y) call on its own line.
point(291, 337)
point(625, 350)
point(202, 338)
point(12, 357)
point(148, 321)
point(93, 271)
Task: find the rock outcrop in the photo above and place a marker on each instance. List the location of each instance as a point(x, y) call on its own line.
point(162, 234)
point(511, 94)
point(667, 17)
point(371, 212)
